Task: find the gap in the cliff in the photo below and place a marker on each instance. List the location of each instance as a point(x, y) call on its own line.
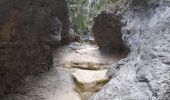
point(90, 56)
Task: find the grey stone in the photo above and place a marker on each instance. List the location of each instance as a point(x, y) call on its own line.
point(146, 73)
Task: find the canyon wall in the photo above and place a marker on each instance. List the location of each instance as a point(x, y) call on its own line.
point(145, 73)
point(28, 30)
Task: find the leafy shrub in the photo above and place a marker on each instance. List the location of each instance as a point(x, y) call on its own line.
point(83, 11)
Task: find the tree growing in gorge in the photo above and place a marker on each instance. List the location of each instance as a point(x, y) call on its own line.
point(83, 11)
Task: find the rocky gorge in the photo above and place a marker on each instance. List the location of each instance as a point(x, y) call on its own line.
point(130, 60)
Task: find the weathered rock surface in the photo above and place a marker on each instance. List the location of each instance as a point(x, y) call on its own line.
point(27, 29)
point(56, 84)
point(145, 73)
point(107, 32)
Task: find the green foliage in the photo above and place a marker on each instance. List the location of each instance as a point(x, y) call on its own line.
point(83, 11)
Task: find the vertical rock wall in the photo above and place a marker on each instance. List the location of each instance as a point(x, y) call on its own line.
point(145, 73)
point(25, 25)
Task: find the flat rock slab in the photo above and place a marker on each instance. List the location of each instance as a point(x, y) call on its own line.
point(89, 76)
point(83, 53)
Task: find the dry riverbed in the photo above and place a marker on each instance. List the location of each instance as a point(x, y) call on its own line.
point(79, 72)
point(87, 65)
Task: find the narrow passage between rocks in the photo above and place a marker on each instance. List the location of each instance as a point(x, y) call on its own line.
point(87, 65)
point(79, 71)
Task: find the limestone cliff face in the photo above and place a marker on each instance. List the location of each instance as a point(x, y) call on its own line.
point(27, 29)
point(145, 73)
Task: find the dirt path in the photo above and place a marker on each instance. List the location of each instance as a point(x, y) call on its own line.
point(79, 71)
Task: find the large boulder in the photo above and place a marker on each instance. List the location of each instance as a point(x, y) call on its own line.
point(107, 32)
point(145, 73)
point(28, 28)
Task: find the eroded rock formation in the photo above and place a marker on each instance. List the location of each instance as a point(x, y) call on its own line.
point(107, 32)
point(145, 73)
point(27, 27)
